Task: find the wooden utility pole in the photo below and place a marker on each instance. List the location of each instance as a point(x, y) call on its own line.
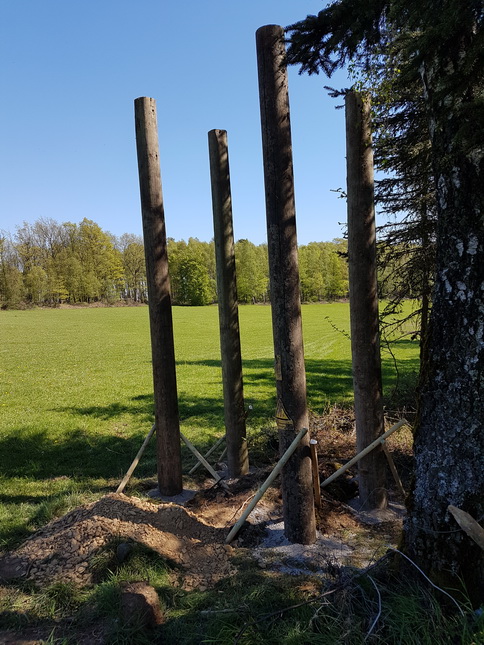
point(291, 414)
point(365, 339)
point(234, 410)
point(159, 297)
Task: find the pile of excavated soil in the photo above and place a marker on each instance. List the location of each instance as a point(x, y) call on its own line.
point(64, 549)
point(193, 539)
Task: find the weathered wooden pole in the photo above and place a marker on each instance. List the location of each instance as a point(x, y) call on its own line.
point(291, 414)
point(365, 339)
point(159, 298)
point(237, 454)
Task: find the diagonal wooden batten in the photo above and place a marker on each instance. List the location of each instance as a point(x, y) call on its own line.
point(201, 458)
point(393, 469)
point(364, 452)
point(207, 454)
point(316, 485)
point(135, 462)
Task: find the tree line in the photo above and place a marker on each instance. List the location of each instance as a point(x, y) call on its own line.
point(47, 263)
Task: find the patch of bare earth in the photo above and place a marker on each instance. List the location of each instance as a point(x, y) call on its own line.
point(193, 537)
point(64, 549)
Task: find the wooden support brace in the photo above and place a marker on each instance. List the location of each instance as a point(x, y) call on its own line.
point(223, 453)
point(127, 477)
point(364, 452)
point(316, 483)
point(212, 449)
point(255, 500)
point(393, 469)
point(202, 460)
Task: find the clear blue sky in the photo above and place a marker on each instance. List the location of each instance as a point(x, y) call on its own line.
point(70, 72)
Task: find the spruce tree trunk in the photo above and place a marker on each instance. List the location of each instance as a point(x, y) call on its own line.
point(449, 439)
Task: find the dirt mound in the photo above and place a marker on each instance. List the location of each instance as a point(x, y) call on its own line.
point(64, 549)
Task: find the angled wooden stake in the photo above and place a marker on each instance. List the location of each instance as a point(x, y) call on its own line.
point(207, 454)
point(255, 500)
point(468, 524)
point(130, 471)
point(393, 469)
point(364, 452)
point(316, 483)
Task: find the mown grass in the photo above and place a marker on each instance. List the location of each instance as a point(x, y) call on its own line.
point(76, 394)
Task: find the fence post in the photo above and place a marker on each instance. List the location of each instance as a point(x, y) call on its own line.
point(234, 410)
point(291, 414)
point(167, 423)
point(365, 339)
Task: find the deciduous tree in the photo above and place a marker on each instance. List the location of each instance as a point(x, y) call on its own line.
point(252, 271)
point(11, 285)
point(132, 252)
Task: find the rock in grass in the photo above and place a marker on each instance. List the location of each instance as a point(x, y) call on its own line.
point(140, 605)
point(122, 552)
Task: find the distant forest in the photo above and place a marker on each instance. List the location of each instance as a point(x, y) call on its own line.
point(47, 264)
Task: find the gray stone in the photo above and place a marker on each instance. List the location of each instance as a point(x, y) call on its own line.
point(123, 550)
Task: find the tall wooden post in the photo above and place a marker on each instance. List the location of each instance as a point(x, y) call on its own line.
point(291, 414)
point(365, 340)
point(159, 297)
point(237, 454)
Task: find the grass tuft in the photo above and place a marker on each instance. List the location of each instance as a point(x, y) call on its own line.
point(53, 640)
point(57, 600)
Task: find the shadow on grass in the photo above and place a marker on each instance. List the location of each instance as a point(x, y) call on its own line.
point(81, 455)
point(328, 382)
point(85, 456)
point(32, 453)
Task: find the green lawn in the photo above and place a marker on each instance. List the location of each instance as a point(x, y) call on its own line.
point(76, 394)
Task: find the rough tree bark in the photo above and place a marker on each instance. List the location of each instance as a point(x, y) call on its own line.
point(449, 439)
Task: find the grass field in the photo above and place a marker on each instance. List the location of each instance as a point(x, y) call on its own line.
point(76, 394)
